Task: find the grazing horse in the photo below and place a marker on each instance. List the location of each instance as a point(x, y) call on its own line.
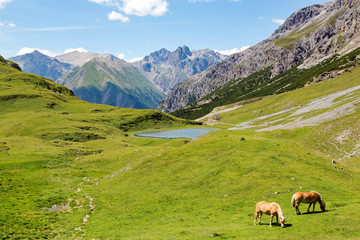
point(272, 209)
point(307, 197)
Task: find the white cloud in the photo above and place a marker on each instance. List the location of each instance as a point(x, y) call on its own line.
point(7, 24)
point(100, 1)
point(26, 50)
point(139, 8)
point(278, 21)
point(121, 56)
point(232, 51)
point(135, 59)
point(80, 49)
point(144, 7)
point(4, 2)
point(115, 16)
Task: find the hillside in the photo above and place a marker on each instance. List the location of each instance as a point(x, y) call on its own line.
point(108, 80)
point(42, 65)
point(166, 69)
point(307, 38)
point(72, 170)
point(45, 133)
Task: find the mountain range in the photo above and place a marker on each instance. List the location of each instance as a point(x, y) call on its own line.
point(308, 37)
point(108, 80)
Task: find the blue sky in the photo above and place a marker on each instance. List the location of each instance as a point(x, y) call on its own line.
point(133, 29)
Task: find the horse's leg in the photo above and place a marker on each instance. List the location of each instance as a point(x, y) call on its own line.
point(255, 217)
point(309, 207)
point(314, 206)
point(277, 220)
point(271, 219)
point(261, 213)
point(297, 211)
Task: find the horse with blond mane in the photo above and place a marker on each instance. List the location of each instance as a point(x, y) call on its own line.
point(272, 209)
point(307, 197)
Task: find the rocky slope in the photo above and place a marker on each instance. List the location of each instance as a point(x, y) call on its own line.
point(108, 80)
point(42, 65)
point(308, 36)
point(166, 69)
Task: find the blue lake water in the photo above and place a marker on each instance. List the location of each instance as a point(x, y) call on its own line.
point(178, 133)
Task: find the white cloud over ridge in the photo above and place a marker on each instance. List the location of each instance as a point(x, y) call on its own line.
point(135, 59)
point(49, 53)
point(139, 8)
point(26, 50)
point(4, 2)
point(232, 51)
point(121, 56)
point(278, 21)
point(80, 49)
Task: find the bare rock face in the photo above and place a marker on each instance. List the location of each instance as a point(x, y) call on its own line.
point(308, 36)
point(166, 69)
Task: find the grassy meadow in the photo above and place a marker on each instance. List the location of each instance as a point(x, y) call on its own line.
point(75, 170)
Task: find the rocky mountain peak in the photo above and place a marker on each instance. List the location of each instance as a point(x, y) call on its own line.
point(183, 52)
point(300, 17)
point(347, 3)
point(43, 65)
point(158, 57)
point(166, 69)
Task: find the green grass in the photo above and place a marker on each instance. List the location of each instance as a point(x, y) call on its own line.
point(145, 188)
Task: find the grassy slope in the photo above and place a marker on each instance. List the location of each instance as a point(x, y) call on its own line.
point(45, 132)
point(165, 189)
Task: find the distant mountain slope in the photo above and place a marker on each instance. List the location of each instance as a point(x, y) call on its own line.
point(108, 80)
point(307, 36)
point(167, 69)
point(76, 58)
point(42, 65)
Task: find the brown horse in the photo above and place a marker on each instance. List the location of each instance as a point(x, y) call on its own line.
point(307, 197)
point(272, 209)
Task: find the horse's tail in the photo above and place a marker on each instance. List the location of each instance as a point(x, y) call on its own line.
point(293, 200)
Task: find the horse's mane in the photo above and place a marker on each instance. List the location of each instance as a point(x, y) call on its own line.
point(321, 199)
point(280, 212)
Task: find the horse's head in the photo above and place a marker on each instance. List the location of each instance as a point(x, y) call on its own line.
point(322, 206)
point(282, 221)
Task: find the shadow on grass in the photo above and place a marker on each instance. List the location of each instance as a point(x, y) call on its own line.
point(316, 212)
point(286, 225)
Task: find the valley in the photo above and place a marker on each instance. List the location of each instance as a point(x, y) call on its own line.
point(278, 118)
point(86, 176)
